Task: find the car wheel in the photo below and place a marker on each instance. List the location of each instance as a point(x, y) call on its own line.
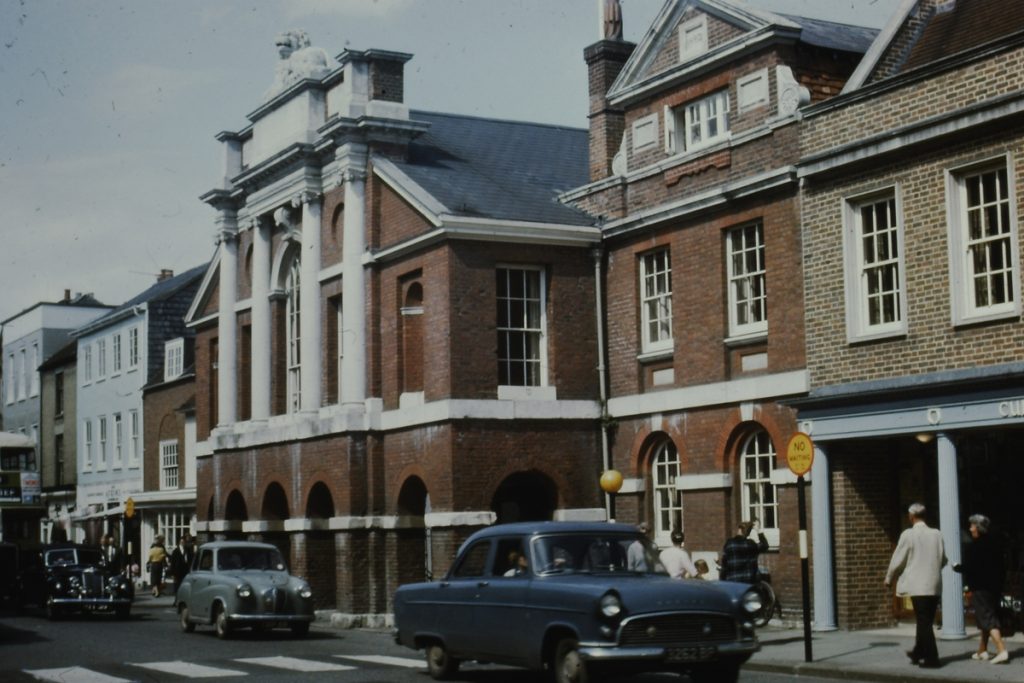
point(184, 619)
point(440, 664)
point(568, 666)
point(221, 624)
point(299, 628)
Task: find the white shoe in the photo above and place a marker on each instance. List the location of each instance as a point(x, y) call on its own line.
point(980, 656)
point(1001, 658)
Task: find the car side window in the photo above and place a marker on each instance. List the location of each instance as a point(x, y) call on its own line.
point(511, 558)
point(473, 562)
point(206, 560)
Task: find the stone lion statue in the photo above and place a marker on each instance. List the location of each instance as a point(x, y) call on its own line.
point(298, 61)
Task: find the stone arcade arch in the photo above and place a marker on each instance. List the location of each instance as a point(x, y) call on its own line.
point(524, 497)
point(235, 511)
point(321, 557)
point(273, 512)
point(413, 534)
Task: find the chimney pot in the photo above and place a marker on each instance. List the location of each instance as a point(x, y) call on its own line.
point(165, 274)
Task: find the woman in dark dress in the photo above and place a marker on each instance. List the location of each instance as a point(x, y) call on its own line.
point(983, 573)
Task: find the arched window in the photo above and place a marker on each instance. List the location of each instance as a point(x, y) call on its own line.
point(668, 507)
point(760, 497)
point(293, 330)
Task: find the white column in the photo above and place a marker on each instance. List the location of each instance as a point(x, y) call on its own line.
point(260, 362)
point(949, 525)
point(353, 297)
point(821, 516)
point(227, 347)
point(310, 322)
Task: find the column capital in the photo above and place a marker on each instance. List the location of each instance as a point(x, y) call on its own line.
point(305, 197)
point(351, 175)
point(227, 235)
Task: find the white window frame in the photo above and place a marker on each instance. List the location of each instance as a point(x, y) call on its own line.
point(748, 289)
point(101, 452)
point(174, 358)
point(87, 445)
point(963, 304)
point(697, 116)
point(115, 347)
point(341, 343)
point(645, 132)
point(118, 440)
point(101, 358)
point(86, 363)
point(860, 272)
point(34, 371)
point(763, 460)
point(134, 438)
point(133, 348)
point(9, 379)
point(666, 466)
point(169, 464)
point(656, 301)
point(693, 38)
point(293, 332)
point(22, 374)
point(534, 370)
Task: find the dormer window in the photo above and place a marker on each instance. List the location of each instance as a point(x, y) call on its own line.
point(693, 38)
point(697, 124)
point(174, 358)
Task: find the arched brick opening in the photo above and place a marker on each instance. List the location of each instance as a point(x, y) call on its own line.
point(525, 496)
point(275, 509)
point(321, 557)
point(413, 537)
point(235, 511)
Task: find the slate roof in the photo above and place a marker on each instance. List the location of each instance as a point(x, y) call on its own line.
point(62, 356)
point(158, 292)
point(833, 36)
point(496, 169)
point(967, 24)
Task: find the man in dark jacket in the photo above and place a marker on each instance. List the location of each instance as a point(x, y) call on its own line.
point(181, 559)
point(739, 556)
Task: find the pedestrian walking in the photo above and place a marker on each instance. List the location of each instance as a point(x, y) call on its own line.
point(111, 553)
point(636, 554)
point(739, 555)
point(983, 573)
point(677, 561)
point(181, 560)
point(918, 561)
point(156, 560)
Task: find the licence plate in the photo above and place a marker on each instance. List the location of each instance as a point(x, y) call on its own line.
point(97, 608)
point(689, 654)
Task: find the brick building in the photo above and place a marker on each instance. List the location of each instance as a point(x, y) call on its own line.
point(913, 290)
point(694, 139)
point(395, 340)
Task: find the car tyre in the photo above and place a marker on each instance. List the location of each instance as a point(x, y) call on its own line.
point(221, 624)
point(568, 666)
point(184, 621)
point(299, 628)
point(440, 664)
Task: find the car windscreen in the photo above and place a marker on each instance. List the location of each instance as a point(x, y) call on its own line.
point(67, 556)
point(235, 559)
point(594, 553)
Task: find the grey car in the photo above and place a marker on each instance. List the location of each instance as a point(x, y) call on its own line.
point(236, 584)
point(565, 598)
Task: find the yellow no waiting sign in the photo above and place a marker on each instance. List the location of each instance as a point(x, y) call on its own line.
point(800, 454)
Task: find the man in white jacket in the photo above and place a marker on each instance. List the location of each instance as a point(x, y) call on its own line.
point(918, 561)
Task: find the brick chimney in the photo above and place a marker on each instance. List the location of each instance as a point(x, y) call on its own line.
point(605, 60)
point(165, 274)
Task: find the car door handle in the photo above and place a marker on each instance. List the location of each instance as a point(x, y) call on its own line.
point(483, 584)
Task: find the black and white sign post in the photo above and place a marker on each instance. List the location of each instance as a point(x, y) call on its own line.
point(800, 454)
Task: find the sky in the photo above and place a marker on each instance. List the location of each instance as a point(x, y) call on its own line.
point(109, 108)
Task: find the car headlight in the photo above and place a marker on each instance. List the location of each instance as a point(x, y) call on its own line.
point(305, 592)
point(611, 605)
point(752, 602)
point(244, 590)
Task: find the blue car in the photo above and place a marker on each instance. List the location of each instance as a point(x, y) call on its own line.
point(564, 597)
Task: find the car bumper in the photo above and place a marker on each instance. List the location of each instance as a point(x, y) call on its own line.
point(284, 618)
point(92, 603)
point(684, 653)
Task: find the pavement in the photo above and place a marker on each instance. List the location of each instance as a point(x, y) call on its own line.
point(870, 655)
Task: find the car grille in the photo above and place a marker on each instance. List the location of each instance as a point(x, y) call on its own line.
point(274, 600)
point(670, 629)
point(92, 584)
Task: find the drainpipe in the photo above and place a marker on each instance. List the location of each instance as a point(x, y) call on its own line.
point(598, 255)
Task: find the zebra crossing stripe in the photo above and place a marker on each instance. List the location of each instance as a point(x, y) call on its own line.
point(295, 664)
point(188, 669)
point(389, 661)
point(73, 674)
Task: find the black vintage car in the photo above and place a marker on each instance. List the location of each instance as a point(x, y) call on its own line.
point(70, 577)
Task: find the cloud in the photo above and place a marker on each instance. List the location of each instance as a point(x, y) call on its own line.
point(141, 89)
point(378, 9)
